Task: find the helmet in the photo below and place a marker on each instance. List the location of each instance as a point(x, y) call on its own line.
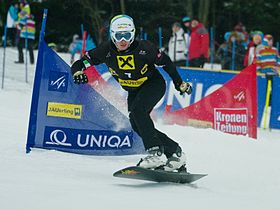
point(122, 28)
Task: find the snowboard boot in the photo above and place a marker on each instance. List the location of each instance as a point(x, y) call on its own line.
point(177, 161)
point(154, 159)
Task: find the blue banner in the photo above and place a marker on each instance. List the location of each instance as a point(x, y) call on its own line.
point(75, 118)
point(275, 104)
point(261, 94)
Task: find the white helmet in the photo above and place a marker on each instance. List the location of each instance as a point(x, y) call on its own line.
point(122, 28)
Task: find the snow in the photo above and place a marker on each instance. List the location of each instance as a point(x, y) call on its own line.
point(242, 173)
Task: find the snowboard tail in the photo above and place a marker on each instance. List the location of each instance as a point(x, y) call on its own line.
point(135, 172)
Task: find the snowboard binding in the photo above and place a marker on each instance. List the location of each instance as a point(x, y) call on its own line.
point(182, 169)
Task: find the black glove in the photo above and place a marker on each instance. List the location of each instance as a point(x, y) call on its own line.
point(79, 77)
point(185, 87)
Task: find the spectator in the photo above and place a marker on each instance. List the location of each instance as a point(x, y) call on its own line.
point(186, 24)
point(199, 44)
point(250, 57)
point(77, 45)
point(12, 17)
point(267, 55)
point(178, 45)
point(235, 47)
point(26, 27)
point(24, 13)
point(222, 50)
point(24, 9)
point(244, 36)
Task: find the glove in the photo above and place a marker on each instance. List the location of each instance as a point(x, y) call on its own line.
point(79, 77)
point(185, 87)
point(78, 66)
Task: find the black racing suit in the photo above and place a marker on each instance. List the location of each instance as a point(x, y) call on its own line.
point(134, 69)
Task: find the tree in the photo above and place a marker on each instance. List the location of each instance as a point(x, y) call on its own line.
point(66, 16)
point(204, 7)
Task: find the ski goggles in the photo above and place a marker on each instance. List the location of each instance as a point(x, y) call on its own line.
point(123, 35)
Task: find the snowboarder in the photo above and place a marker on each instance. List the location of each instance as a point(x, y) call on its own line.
point(132, 64)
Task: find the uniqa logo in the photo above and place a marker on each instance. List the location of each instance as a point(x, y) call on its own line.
point(103, 141)
point(58, 137)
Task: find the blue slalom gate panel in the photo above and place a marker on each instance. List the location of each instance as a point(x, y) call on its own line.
point(75, 118)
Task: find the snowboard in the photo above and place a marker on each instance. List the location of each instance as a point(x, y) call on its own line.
point(135, 172)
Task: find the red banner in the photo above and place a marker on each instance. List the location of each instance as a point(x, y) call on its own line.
point(230, 109)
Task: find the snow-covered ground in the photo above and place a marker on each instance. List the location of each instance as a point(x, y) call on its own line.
point(242, 173)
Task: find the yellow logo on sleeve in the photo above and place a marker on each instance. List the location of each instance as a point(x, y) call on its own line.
point(73, 111)
point(126, 62)
point(144, 69)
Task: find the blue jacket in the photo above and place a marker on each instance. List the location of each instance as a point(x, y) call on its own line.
point(77, 46)
point(13, 12)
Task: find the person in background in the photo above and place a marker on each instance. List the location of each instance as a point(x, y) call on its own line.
point(25, 12)
point(77, 45)
point(267, 55)
point(186, 20)
point(243, 34)
point(222, 50)
point(12, 17)
point(186, 24)
point(26, 27)
point(24, 9)
point(233, 46)
point(250, 57)
point(132, 64)
point(199, 44)
point(178, 45)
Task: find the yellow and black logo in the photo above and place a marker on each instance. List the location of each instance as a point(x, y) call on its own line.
point(132, 83)
point(126, 62)
point(64, 110)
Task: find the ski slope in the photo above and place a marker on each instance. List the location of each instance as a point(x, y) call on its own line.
point(242, 173)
